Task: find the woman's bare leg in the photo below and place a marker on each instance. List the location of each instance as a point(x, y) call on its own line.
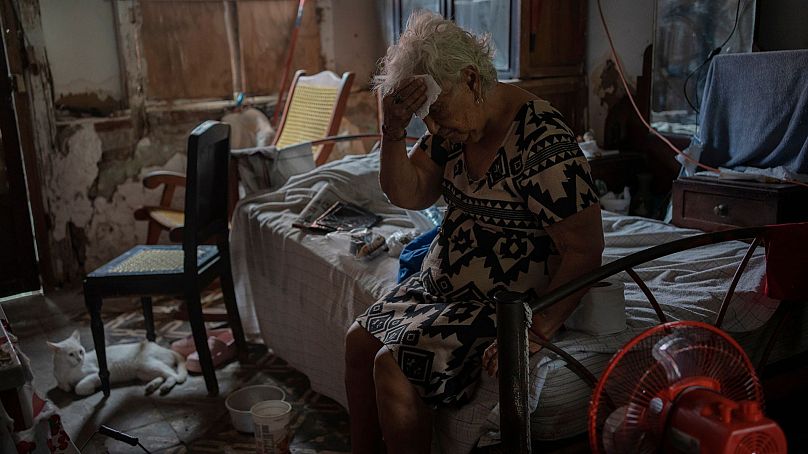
point(360, 351)
point(405, 420)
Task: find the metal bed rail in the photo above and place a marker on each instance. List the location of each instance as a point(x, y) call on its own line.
point(514, 311)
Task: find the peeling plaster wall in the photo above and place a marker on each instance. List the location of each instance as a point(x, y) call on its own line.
point(82, 51)
point(95, 185)
point(631, 24)
point(92, 168)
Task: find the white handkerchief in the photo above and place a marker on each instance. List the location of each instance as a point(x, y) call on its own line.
point(432, 92)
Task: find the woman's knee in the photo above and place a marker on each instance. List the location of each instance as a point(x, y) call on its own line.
point(389, 378)
point(360, 348)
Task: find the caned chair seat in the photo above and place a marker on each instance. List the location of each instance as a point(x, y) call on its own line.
point(149, 259)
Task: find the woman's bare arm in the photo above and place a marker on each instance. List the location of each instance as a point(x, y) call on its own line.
point(579, 239)
point(410, 181)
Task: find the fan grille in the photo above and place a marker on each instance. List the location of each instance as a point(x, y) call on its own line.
point(757, 443)
point(635, 376)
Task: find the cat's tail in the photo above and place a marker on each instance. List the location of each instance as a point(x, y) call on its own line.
point(182, 371)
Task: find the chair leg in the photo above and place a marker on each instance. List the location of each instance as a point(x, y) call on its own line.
point(153, 233)
point(148, 317)
point(229, 296)
point(194, 304)
point(93, 302)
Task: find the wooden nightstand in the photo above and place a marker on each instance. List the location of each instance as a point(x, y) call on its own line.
point(709, 204)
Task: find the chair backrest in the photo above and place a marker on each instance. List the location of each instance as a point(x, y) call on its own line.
point(206, 190)
point(313, 110)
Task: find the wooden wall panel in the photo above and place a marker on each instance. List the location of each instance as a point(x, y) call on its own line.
point(185, 47)
point(265, 31)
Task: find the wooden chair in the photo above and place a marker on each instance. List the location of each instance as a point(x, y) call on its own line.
point(180, 269)
point(313, 110)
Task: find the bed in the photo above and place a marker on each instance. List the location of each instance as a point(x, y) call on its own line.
point(300, 292)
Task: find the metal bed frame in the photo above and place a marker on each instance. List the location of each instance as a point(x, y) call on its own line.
point(514, 312)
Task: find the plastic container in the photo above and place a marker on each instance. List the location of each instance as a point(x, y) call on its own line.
point(240, 401)
point(611, 202)
point(272, 419)
point(602, 310)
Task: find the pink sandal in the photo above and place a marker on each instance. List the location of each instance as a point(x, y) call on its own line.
point(186, 346)
point(222, 350)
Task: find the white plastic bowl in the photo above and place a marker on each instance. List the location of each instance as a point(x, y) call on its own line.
point(240, 401)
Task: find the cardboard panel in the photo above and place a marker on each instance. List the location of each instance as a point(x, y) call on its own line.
point(186, 51)
point(265, 29)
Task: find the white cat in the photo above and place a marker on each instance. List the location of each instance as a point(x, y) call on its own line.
point(146, 361)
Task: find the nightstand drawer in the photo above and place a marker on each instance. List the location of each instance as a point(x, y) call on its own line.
point(726, 210)
point(710, 204)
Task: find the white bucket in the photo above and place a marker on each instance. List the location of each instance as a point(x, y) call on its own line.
point(272, 419)
point(240, 401)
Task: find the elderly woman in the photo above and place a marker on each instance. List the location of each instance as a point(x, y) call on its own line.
point(522, 215)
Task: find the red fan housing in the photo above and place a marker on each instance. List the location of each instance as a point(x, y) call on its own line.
point(681, 387)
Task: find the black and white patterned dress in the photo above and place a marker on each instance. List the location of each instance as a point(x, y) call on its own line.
point(439, 323)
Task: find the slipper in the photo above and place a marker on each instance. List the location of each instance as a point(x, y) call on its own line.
point(186, 345)
point(222, 350)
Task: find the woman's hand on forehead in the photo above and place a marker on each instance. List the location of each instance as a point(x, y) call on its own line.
point(410, 86)
point(400, 103)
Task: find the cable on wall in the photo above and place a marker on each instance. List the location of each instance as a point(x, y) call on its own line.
point(710, 56)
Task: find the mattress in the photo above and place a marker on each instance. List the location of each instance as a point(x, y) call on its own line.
point(300, 292)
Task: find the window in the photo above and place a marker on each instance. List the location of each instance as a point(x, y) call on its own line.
point(497, 17)
point(686, 31)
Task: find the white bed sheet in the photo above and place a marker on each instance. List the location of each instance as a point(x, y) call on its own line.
point(300, 292)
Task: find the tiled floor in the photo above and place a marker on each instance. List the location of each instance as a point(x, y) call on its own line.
point(185, 420)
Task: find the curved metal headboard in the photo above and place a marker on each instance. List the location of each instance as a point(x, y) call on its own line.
point(513, 317)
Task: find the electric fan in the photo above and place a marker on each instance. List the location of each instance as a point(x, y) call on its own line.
point(681, 387)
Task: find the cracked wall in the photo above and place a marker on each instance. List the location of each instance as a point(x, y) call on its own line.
point(95, 185)
point(95, 179)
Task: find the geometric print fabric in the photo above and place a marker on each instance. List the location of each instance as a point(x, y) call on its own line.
point(439, 322)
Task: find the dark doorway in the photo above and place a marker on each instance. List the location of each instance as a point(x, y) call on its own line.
point(18, 261)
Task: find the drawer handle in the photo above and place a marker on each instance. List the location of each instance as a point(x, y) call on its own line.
point(721, 210)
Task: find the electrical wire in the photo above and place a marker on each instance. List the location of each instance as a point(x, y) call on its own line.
point(664, 139)
point(734, 26)
point(687, 79)
point(712, 54)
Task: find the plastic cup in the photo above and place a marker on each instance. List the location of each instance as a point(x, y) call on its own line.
point(240, 401)
point(272, 433)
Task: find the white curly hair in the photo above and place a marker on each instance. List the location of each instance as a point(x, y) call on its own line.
point(436, 46)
